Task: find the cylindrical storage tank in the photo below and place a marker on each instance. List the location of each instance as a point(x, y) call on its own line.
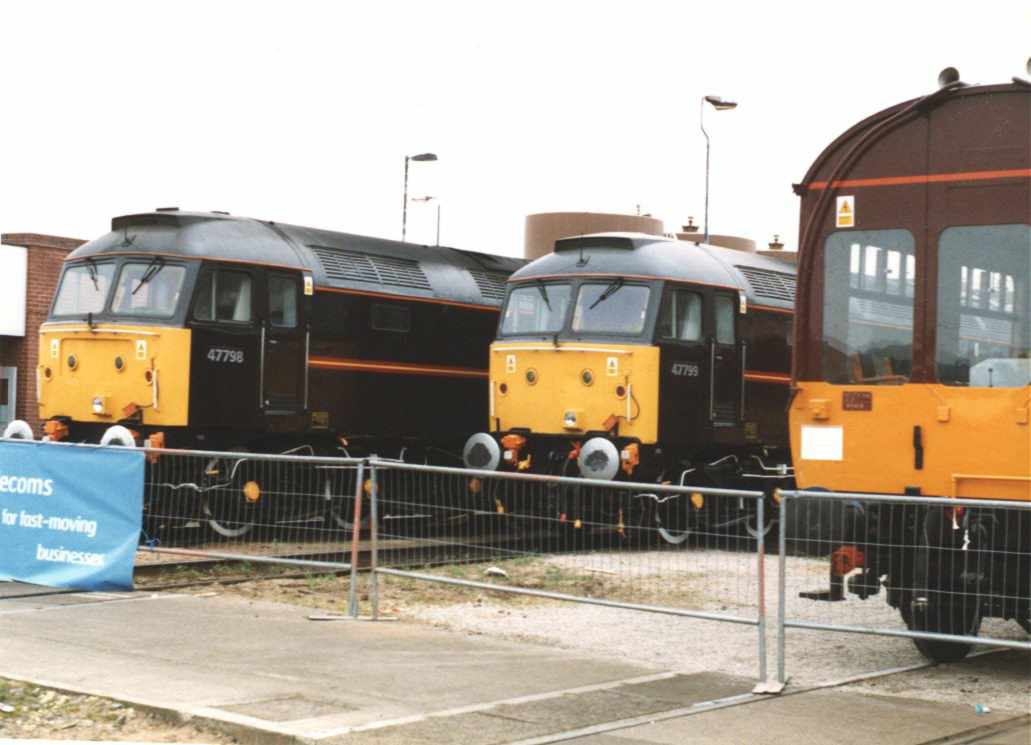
point(735, 242)
point(544, 228)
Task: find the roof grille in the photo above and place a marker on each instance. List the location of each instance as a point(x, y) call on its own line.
point(766, 283)
point(357, 267)
point(491, 284)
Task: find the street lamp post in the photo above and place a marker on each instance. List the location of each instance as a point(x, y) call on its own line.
point(420, 158)
point(720, 105)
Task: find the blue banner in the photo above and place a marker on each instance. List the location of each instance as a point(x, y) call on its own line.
point(69, 516)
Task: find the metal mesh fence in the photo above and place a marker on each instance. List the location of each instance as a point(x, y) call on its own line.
point(674, 550)
point(945, 572)
point(284, 509)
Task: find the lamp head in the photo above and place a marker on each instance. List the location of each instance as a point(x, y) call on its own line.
point(947, 77)
point(719, 104)
point(422, 157)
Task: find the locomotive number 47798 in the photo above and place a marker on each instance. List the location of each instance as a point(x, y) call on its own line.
point(222, 354)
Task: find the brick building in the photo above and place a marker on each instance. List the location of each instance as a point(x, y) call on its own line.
point(30, 265)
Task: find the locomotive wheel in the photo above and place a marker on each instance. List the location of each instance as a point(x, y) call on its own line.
point(341, 509)
point(223, 501)
point(940, 617)
point(941, 606)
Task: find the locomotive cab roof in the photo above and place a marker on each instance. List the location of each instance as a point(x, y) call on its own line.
point(335, 260)
point(640, 256)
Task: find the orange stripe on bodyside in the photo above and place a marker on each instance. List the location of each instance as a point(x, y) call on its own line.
point(394, 368)
point(926, 178)
point(771, 309)
point(761, 377)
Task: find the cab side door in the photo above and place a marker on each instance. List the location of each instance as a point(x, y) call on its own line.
point(725, 372)
point(226, 349)
point(284, 335)
point(683, 357)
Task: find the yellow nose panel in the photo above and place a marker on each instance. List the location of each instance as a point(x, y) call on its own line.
point(144, 366)
point(572, 388)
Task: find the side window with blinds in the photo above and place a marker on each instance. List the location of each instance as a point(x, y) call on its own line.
point(680, 317)
point(725, 308)
point(282, 301)
point(223, 295)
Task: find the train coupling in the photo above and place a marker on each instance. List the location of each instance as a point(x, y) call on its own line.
point(843, 561)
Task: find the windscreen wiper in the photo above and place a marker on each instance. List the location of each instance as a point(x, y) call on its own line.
point(542, 289)
point(609, 292)
point(155, 266)
point(91, 267)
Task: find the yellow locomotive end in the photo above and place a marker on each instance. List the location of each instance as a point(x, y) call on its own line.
point(571, 388)
point(105, 372)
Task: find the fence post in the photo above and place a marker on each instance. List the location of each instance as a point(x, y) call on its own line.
point(760, 544)
point(781, 585)
point(356, 530)
point(374, 540)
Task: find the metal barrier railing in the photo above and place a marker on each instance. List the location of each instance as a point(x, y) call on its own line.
point(652, 548)
point(942, 566)
point(952, 572)
point(283, 509)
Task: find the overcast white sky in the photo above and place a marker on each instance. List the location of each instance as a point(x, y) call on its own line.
point(303, 111)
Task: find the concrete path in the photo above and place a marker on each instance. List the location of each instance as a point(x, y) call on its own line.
point(266, 672)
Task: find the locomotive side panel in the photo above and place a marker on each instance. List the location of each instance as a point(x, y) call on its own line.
point(395, 367)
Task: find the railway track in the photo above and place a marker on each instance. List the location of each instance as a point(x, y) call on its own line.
point(273, 560)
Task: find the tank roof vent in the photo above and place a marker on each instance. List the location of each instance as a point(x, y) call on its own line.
point(948, 76)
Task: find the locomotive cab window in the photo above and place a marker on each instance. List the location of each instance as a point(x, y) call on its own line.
point(538, 308)
point(868, 287)
point(223, 295)
point(282, 301)
point(983, 326)
point(148, 289)
point(611, 308)
point(680, 317)
point(724, 307)
point(84, 289)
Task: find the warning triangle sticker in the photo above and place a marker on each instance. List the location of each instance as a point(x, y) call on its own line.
point(846, 214)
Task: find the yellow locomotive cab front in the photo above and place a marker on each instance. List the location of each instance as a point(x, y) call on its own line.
point(104, 373)
point(574, 388)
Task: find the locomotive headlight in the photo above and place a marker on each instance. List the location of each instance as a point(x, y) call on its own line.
point(531, 376)
point(119, 364)
point(586, 377)
point(570, 419)
point(73, 362)
point(100, 405)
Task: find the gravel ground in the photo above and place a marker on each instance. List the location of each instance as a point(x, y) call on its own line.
point(714, 581)
point(31, 712)
point(691, 645)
